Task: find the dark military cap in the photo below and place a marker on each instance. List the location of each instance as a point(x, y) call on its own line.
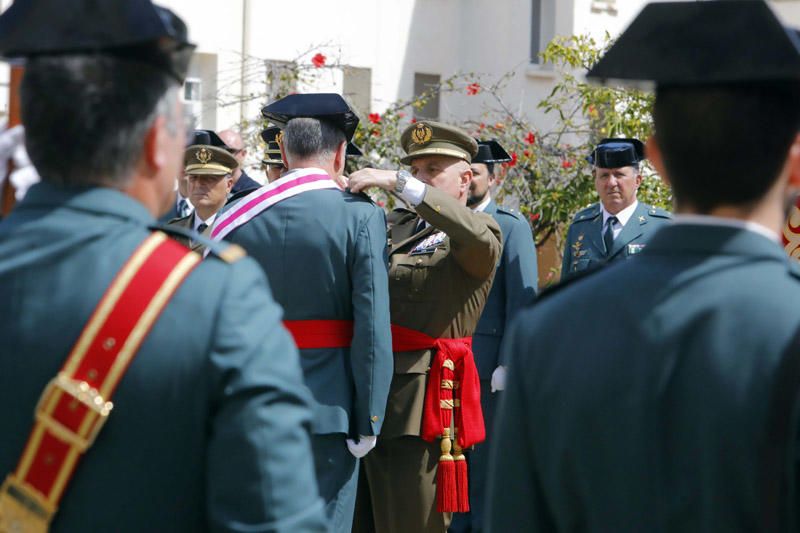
point(207, 160)
point(491, 152)
point(271, 136)
point(134, 29)
point(207, 138)
point(616, 153)
point(435, 138)
point(330, 107)
point(353, 150)
point(678, 44)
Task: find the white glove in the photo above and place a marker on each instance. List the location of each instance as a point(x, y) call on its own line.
point(363, 446)
point(499, 379)
point(12, 146)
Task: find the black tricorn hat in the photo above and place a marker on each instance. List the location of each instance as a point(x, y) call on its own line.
point(722, 42)
point(330, 107)
point(617, 153)
point(207, 138)
point(491, 152)
point(353, 150)
point(135, 29)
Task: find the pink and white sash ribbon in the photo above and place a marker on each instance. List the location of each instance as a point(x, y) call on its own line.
point(294, 183)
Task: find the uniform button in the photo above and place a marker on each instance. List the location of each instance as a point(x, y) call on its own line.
point(374, 418)
point(438, 208)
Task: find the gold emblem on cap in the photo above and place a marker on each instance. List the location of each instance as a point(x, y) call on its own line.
point(421, 133)
point(279, 138)
point(203, 155)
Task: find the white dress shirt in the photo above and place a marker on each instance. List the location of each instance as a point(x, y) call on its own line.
point(622, 217)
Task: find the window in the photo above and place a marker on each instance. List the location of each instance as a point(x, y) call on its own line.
point(193, 101)
point(543, 17)
point(357, 88)
point(427, 84)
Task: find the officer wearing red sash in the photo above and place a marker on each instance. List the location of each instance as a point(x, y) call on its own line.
point(442, 263)
point(175, 398)
point(324, 252)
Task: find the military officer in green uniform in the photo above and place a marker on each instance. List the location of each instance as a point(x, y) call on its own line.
point(208, 168)
point(674, 409)
point(619, 226)
point(209, 429)
point(442, 261)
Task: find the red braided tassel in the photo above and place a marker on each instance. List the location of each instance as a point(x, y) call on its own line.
point(446, 487)
point(462, 483)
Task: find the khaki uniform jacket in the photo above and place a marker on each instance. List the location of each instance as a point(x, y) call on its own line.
point(187, 222)
point(439, 291)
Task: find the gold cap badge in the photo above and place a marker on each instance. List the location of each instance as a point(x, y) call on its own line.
point(279, 138)
point(421, 134)
point(203, 155)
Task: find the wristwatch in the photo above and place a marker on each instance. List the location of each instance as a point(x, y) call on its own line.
point(402, 178)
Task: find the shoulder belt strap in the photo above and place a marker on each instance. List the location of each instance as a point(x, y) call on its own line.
point(74, 406)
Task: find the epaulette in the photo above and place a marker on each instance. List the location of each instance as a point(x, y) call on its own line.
point(230, 253)
point(510, 212)
point(587, 214)
point(578, 276)
point(361, 195)
point(658, 212)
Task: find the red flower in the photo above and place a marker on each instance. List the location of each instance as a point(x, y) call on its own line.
point(318, 60)
point(376, 133)
point(566, 164)
point(381, 203)
point(534, 217)
point(481, 126)
point(530, 138)
point(473, 89)
point(526, 153)
point(513, 161)
point(375, 118)
point(413, 120)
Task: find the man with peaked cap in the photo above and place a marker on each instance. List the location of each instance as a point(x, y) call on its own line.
point(515, 284)
point(235, 145)
point(618, 226)
point(324, 252)
point(185, 362)
point(208, 169)
point(442, 261)
point(674, 410)
point(272, 153)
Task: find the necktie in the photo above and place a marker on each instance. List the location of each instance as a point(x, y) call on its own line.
point(202, 227)
point(608, 236)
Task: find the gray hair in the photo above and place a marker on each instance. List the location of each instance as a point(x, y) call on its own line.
point(86, 116)
point(311, 138)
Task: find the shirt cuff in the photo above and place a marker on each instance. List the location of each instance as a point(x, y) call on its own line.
point(413, 192)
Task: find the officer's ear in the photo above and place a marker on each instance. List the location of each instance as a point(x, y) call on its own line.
point(466, 179)
point(653, 153)
point(340, 158)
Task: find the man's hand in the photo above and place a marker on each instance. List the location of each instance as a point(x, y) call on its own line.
point(363, 446)
point(499, 379)
point(372, 177)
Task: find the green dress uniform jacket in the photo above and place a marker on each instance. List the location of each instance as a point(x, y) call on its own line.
point(324, 253)
point(515, 284)
point(585, 249)
point(210, 426)
point(441, 292)
point(648, 413)
point(187, 222)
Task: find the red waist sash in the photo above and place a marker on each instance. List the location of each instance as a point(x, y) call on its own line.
point(453, 388)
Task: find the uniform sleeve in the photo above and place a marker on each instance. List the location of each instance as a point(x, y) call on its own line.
point(512, 466)
point(260, 472)
point(371, 357)
point(567, 259)
point(521, 270)
point(475, 238)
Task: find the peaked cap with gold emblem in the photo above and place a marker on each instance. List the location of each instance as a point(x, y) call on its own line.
point(435, 138)
point(207, 160)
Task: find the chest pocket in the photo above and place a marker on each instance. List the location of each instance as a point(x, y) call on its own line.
point(582, 264)
point(418, 277)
